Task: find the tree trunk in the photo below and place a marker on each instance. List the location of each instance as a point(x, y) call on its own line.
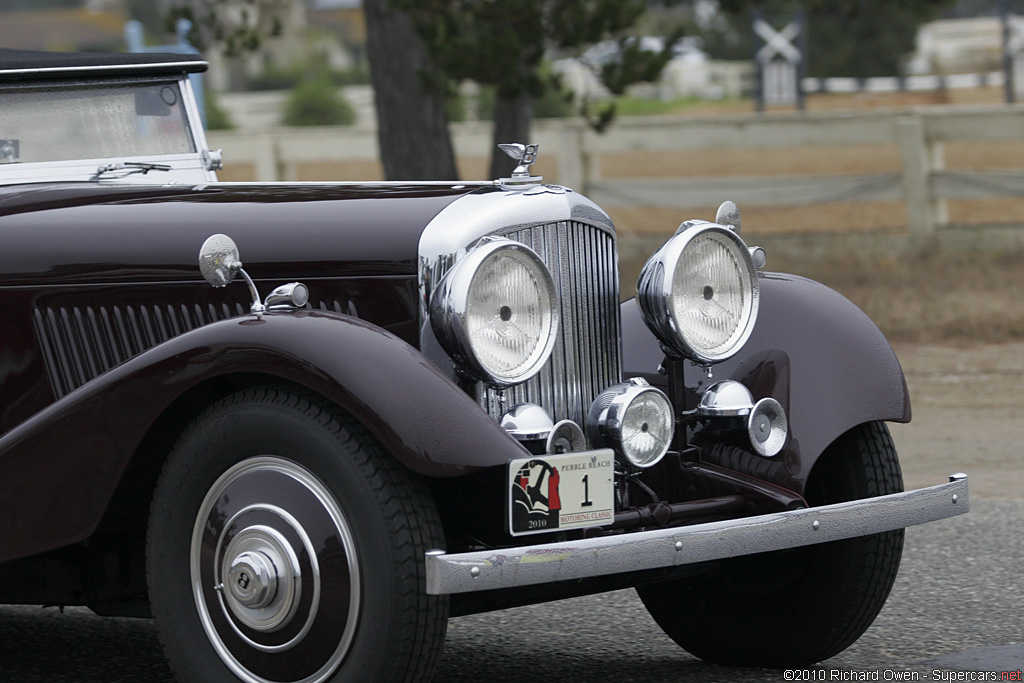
point(412, 127)
point(513, 118)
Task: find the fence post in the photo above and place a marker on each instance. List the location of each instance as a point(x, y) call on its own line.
point(570, 157)
point(914, 152)
point(265, 158)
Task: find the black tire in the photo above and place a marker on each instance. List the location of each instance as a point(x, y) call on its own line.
point(285, 545)
point(794, 607)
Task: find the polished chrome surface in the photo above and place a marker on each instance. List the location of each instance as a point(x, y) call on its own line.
point(184, 168)
point(620, 553)
point(291, 295)
point(262, 578)
point(759, 256)
point(218, 263)
point(496, 210)
point(184, 65)
point(587, 357)
point(576, 240)
point(279, 598)
point(449, 313)
point(213, 159)
point(728, 214)
point(607, 416)
point(127, 168)
point(655, 291)
point(727, 398)
point(527, 421)
point(525, 156)
point(768, 427)
point(218, 260)
point(566, 437)
point(209, 161)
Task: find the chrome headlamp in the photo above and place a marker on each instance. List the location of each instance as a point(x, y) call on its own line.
point(496, 312)
point(633, 418)
point(699, 293)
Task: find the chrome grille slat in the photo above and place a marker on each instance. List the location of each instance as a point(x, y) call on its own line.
point(587, 357)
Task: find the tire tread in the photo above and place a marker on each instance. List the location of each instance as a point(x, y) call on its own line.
point(405, 506)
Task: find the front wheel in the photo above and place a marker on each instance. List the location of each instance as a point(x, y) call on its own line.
point(794, 607)
point(285, 546)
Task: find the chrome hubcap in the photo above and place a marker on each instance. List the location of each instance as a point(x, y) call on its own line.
point(262, 577)
point(269, 543)
point(253, 580)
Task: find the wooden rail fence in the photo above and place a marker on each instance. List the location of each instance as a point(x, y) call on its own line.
point(908, 167)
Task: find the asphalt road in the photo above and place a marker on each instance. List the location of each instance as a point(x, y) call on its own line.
point(958, 605)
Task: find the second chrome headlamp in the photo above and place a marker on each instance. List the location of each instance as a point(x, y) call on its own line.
point(699, 293)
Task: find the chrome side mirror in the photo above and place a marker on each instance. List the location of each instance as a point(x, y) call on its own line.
point(729, 215)
point(218, 262)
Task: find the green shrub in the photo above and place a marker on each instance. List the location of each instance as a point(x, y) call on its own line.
point(317, 103)
point(455, 108)
point(292, 77)
point(216, 117)
point(552, 104)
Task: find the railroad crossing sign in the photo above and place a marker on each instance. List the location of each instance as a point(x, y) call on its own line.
point(779, 62)
point(777, 42)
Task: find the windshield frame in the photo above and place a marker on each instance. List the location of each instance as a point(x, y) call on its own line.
point(191, 166)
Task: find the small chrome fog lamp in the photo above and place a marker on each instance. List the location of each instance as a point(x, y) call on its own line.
point(767, 427)
point(527, 422)
point(566, 437)
point(633, 418)
point(727, 398)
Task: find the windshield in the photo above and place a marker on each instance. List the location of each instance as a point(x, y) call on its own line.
point(63, 122)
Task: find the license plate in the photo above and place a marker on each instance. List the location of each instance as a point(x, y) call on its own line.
point(559, 492)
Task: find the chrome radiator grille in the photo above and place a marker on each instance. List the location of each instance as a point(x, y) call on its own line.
point(587, 356)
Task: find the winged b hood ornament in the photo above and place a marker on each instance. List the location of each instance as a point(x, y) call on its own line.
point(524, 155)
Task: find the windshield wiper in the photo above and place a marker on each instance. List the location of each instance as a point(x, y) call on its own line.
point(129, 168)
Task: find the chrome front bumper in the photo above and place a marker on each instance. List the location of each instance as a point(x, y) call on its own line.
point(615, 554)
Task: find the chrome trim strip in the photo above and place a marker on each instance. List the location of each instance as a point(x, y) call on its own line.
point(195, 125)
point(198, 65)
point(186, 167)
point(528, 565)
point(453, 184)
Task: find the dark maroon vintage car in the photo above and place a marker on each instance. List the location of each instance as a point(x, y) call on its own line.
point(413, 401)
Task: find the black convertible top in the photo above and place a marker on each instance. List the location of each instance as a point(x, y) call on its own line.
point(32, 64)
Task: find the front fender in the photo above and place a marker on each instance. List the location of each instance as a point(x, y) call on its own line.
point(813, 350)
point(61, 467)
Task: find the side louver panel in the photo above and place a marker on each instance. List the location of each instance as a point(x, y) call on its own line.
point(81, 343)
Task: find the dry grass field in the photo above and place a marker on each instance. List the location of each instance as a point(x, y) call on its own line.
point(968, 298)
point(960, 298)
